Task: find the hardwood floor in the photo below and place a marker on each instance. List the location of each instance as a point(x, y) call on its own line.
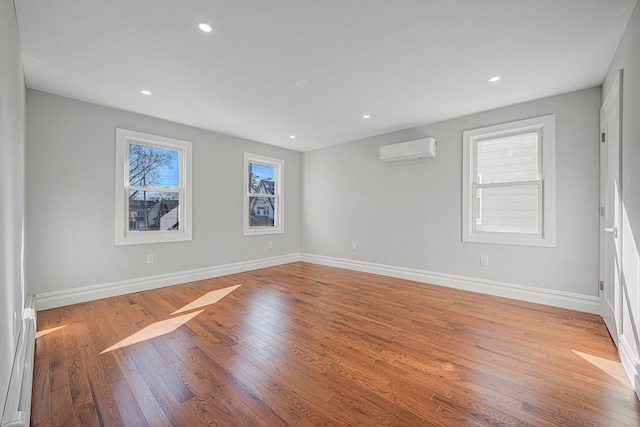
point(303, 344)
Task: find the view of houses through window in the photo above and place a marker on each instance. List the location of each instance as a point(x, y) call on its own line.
point(263, 195)
point(153, 189)
point(262, 207)
point(154, 196)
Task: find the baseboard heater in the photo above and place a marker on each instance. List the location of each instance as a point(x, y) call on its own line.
point(17, 409)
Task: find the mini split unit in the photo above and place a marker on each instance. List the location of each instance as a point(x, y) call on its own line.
point(410, 150)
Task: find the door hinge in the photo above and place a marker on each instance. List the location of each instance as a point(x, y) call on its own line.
point(602, 137)
point(601, 210)
point(601, 285)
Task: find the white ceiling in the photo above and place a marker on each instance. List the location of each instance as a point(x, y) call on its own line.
point(404, 62)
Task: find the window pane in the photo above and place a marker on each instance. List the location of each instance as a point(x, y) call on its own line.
point(153, 167)
point(261, 179)
point(510, 209)
point(262, 211)
point(151, 210)
point(508, 158)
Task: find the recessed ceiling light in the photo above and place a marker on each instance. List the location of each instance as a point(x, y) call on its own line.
point(494, 79)
point(366, 116)
point(145, 92)
point(292, 137)
point(204, 27)
point(302, 83)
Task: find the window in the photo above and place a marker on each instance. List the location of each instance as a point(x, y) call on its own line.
point(262, 195)
point(508, 183)
point(153, 188)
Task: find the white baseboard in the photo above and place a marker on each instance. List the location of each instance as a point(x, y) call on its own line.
point(585, 303)
point(106, 290)
point(17, 408)
point(630, 363)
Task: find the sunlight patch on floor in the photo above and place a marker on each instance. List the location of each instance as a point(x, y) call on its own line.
point(613, 368)
point(48, 331)
point(207, 299)
point(156, 329)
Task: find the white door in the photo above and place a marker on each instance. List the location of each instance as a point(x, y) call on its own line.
point(610, 214)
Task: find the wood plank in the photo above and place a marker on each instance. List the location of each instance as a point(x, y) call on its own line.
point(175, 412)
point(177, 386)
point(100, 376)
point(41, 394)
point(127, 405)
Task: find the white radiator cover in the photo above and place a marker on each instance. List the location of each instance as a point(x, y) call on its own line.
point(17, 409)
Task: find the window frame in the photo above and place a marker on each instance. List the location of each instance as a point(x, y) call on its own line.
point(125, 236)
point(278, 196)
point(545, 126)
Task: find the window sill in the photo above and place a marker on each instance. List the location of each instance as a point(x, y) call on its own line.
point(146, 237)
point(510, 240)
point(257, 231)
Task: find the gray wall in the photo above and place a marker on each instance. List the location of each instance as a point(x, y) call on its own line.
point(410, 215)
point(70, 198)
point(628, 58)
point(12, 188)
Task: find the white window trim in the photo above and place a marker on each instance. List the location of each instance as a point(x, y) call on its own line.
point(124, 236)
point(546, 237)
point(278, 227)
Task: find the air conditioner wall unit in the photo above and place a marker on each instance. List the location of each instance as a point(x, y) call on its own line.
point(409, 150)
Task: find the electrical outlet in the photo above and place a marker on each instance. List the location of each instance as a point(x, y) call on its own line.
point(270, 244)
point(484, 259)
point(151, 258)
point(354, 246)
